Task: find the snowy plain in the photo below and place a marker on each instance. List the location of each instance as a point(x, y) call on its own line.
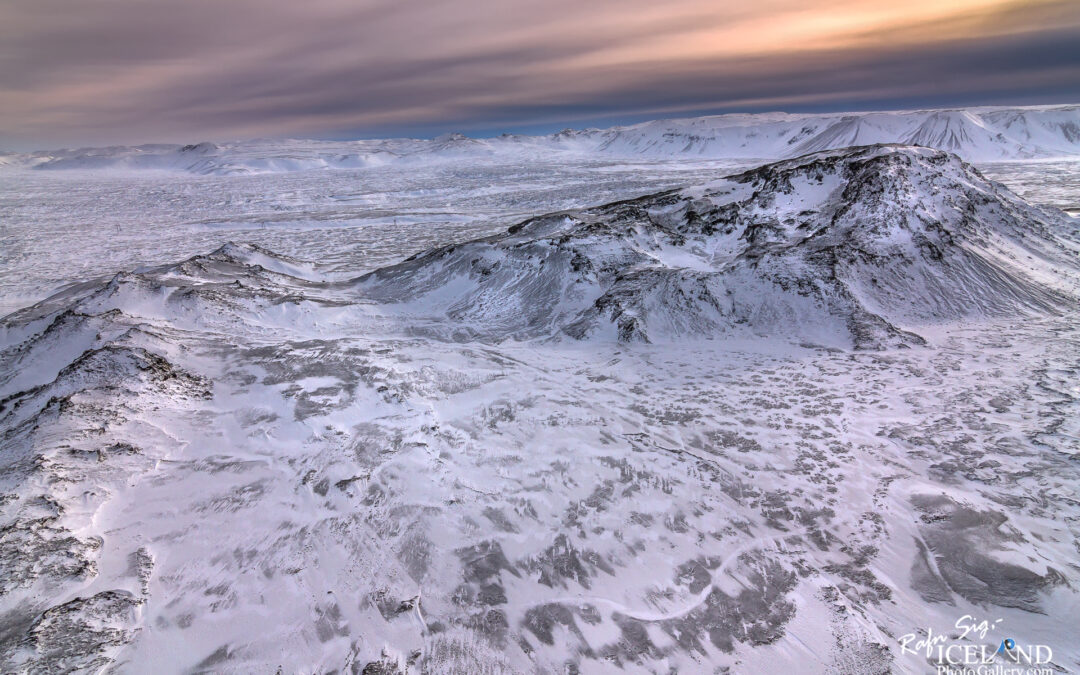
point(267, 458)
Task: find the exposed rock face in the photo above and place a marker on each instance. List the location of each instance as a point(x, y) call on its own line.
point(858, 247)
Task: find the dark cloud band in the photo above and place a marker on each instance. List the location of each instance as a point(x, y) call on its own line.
point(128, 70)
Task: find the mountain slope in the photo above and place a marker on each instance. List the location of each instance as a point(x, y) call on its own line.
point(857, 246)
point(976, 134)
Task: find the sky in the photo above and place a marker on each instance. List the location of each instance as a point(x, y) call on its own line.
point(94, 72)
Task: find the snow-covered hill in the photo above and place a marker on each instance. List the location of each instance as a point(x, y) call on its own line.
point(976, 134)
point(628, 438)
point(845, 246)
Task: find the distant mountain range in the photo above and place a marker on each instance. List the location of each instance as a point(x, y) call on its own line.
point(976, 134)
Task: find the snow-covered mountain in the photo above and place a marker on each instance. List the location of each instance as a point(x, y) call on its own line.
point(629, 438)
point(976, 134)
point(855, 245)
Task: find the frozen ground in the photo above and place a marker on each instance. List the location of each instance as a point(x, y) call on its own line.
point(254, 460)
point(1053, 183)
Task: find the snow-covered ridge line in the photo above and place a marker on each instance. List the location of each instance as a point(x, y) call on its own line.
point(854, 247)
point(858, 247)
point(976, 134)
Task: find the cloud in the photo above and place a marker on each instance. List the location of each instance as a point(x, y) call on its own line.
point(130, 70)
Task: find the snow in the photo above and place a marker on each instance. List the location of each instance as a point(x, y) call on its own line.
point(976, 134)
point(300, 450)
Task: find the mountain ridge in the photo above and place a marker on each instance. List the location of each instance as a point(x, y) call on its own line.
point(865, 240)
point(852, 247)
point(977, 134)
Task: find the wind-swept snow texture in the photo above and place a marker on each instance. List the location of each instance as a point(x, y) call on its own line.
point(766, 424)
point(976, 134)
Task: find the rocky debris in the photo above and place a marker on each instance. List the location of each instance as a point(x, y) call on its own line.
point(962, 542)
point(83, 634)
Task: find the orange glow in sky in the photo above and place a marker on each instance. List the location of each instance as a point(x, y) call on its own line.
point(130, 70)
